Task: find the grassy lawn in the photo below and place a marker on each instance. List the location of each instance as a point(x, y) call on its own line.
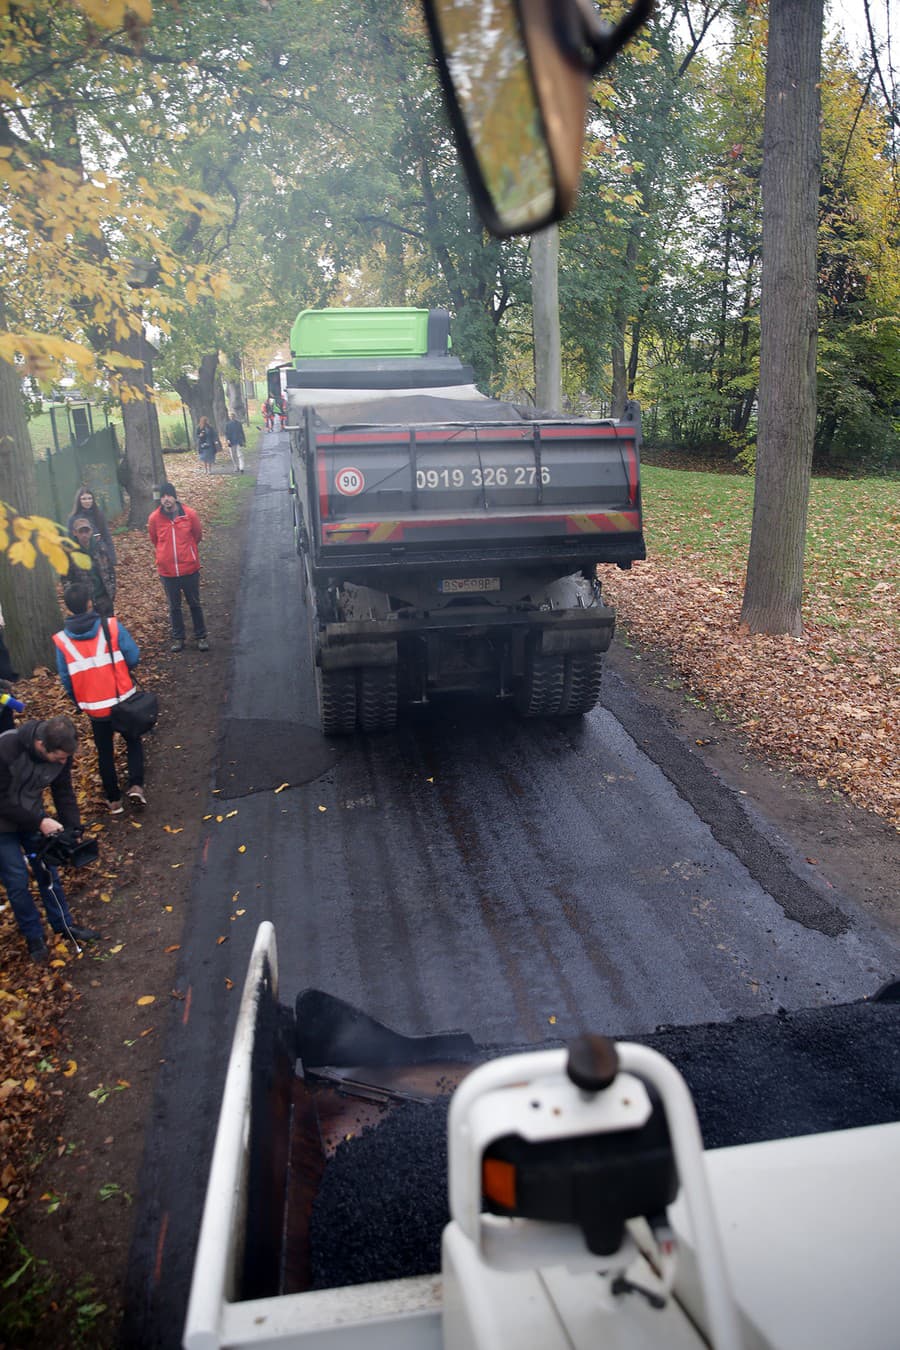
point(171, 427)
point(827, 703)
point(852, 539)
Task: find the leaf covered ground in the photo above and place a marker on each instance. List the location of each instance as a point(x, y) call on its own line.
point(827, 704)
point(79, 1039)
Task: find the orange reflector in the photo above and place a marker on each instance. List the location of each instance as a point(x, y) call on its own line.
point(498, 1182)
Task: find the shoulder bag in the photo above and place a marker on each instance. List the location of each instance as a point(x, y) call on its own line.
point(137, 714)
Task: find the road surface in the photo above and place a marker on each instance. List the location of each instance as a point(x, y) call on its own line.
point(521, 881)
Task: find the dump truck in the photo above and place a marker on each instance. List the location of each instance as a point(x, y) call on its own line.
point(734, 1184)
point(450, 541)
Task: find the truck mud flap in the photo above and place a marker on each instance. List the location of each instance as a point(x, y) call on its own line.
point(567, 641)
point(346, 656)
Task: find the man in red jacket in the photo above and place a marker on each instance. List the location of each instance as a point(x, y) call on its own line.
point(176, 533)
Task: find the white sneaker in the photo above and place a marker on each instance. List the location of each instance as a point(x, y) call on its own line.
point(115, 808)
point(136, 796)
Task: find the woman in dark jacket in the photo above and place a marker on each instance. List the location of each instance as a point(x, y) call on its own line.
point(207, 444)
point(85, 504)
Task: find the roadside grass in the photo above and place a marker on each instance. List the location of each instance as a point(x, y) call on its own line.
point(703, 520)
point(32, 1291)
point(828, 703)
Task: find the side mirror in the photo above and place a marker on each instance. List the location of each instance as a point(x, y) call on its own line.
point(515, 75)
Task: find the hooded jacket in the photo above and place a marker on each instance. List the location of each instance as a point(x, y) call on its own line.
point(176, 540)
point(24, 776)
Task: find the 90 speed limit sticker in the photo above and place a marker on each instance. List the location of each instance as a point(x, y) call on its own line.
point(349, 482)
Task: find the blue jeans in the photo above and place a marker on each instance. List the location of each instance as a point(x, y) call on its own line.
point(14, 876)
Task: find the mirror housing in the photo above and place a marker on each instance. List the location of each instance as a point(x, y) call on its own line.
point(515, 76)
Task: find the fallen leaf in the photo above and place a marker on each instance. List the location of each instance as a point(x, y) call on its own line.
point(552, 1020)
point(242, 848)
point(813, 861)
point(30, 1084)
point(71, 1069)
point(57, 964)
point(219, 819)
point(281, 788)
point(136, 825)
point(168, 908)
point(240, 911)
point(4, 1204)
point(323, 808)
point(122, 1083)
point(207, 817)
point(147, 1031)
point(175, 866)
point(230, 814)
point(175, 947)
point(145, 1000)
point(429, 780)
point(229, 984)
point(234, 897)
point(107, 899)
point(114, 951)
point(220, 940)
point(169, 830)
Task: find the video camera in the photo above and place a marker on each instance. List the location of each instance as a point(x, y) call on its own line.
point(66, 848)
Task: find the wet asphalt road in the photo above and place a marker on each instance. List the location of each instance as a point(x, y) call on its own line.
point(521, 881)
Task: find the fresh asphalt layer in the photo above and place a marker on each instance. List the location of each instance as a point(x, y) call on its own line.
point(522, 881)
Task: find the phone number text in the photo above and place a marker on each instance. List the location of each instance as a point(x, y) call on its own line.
point(513, 475)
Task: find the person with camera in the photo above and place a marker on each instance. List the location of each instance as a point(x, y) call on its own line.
point(34, 757)
point(94, 660)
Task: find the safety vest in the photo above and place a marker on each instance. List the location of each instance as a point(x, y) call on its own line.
point(100, 677)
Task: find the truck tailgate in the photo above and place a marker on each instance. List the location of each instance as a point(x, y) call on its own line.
point(463, 485)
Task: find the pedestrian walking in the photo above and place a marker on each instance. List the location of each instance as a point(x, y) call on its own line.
point(85, 506)
point(281, 404)
point(207, 444)
point(175, 532)
point(234, 437)
point(94, 660)
point(268, 409)
point(34, 757)
point(102, 573)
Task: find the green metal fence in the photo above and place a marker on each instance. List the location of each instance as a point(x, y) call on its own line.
point(93, 460)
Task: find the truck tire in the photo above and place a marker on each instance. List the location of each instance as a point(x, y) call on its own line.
point(542, 685)
point(337, 701)
point(377, 698)
point(581, 684)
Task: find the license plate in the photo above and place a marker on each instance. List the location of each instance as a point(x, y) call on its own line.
point(467, 585)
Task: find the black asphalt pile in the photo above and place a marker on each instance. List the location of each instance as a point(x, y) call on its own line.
point(789, 1074)
point(382, 1203)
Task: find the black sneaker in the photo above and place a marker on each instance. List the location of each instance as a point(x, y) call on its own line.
point(81, 934)
point(37, 950)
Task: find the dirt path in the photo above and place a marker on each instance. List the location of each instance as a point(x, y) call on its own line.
point(89, 1140)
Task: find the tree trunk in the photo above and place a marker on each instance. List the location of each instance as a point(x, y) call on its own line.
point(144, 468)
point(28, 596)
point(198, 395)
point(234, 389)
point(787, 374)
point(545, 319)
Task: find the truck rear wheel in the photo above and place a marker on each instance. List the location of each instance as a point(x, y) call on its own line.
point(377, 698)
point(581, 685)
point(560, 686)
point(541, 689)
point(337, 701)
